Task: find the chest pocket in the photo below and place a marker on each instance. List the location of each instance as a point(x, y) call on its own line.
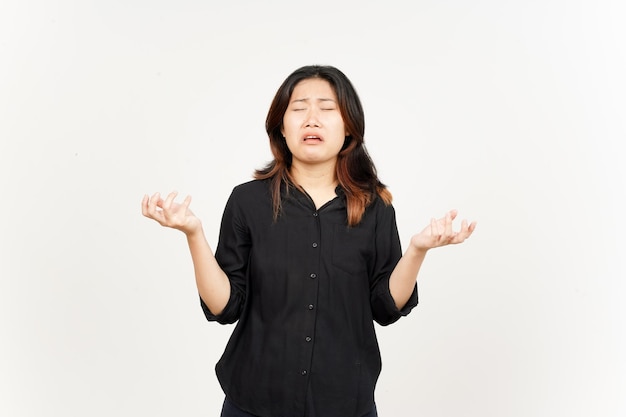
point(352, 250)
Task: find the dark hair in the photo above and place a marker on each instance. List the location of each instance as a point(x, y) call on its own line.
point(355, 169)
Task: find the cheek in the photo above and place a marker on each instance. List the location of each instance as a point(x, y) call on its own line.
point(341, 127)
point(288, 125)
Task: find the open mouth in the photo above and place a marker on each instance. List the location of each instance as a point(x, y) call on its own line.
point(312, 138)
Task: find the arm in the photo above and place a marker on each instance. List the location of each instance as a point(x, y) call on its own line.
point(213, 284)
point(438, 233)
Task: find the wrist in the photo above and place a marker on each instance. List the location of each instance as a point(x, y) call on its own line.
point(194, 233)
point(415, 251)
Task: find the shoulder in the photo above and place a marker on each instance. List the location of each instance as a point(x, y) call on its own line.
point(379, 206)
point(379, 213)
point(248, 202)
point(250, 197)
point(252, 189)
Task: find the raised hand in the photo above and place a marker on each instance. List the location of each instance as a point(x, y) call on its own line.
point(441, 233)
point(168, 213)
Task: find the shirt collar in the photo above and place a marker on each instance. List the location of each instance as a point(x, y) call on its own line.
point(291, 191)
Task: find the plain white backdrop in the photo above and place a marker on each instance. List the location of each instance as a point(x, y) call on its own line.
point(510, 111)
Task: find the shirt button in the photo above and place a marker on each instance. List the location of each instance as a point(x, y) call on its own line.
point(314, 214)
point(303, 372)
point(315, 244)
point(308, 339)
point(313, 276)
point(311, 306)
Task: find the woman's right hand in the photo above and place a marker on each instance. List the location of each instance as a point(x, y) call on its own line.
point(168, 213)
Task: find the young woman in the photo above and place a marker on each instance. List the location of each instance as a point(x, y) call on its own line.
point(308, 258)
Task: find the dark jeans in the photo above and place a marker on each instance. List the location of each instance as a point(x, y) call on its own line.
point(230, 410)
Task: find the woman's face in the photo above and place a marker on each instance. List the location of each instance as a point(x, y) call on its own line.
point(312, 125)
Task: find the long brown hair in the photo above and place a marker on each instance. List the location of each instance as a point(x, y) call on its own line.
point(355, 169)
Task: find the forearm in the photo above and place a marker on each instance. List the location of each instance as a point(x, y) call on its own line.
point(404, 275)
point(213, 284)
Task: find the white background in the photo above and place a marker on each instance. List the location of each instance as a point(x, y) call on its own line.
point(510, 111)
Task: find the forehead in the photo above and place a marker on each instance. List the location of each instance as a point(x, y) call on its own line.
point(313, 88)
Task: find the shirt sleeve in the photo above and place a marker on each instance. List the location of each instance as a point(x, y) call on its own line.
point(232, 254)
point(388, 253)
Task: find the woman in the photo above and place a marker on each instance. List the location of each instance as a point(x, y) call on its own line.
point(308, 257)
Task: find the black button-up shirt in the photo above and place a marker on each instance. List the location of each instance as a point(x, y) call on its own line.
point(305, 289)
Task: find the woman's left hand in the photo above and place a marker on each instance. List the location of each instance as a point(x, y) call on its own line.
point(441, 233)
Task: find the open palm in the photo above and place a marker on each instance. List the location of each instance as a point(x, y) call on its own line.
point(168, 213)
point(440, 232)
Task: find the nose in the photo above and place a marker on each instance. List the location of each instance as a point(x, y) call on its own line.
point(312, 120)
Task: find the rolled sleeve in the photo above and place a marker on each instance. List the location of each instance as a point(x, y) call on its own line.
point(231, 312)
point(388, 253)
point(384, 307)
point(232, 255)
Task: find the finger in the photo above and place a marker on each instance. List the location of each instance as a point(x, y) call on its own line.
point(186, 203)
point(453, 213)
point(149, 210)
point(435, 229)
point(462, 234)
point(152, 204)
point(466, 231)
point(167, 204)
point(448, 225)
point(144, 205)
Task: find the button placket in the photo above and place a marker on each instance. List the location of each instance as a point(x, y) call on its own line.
point(312, 293)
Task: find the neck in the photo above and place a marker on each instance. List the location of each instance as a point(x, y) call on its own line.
point(317, 180)
point(314, 176)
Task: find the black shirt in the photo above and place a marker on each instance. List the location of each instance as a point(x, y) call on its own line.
point(305, 289)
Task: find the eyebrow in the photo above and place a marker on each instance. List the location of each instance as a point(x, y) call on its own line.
point(300, 100)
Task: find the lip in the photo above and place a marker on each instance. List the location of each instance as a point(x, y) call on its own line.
point(312, 138)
